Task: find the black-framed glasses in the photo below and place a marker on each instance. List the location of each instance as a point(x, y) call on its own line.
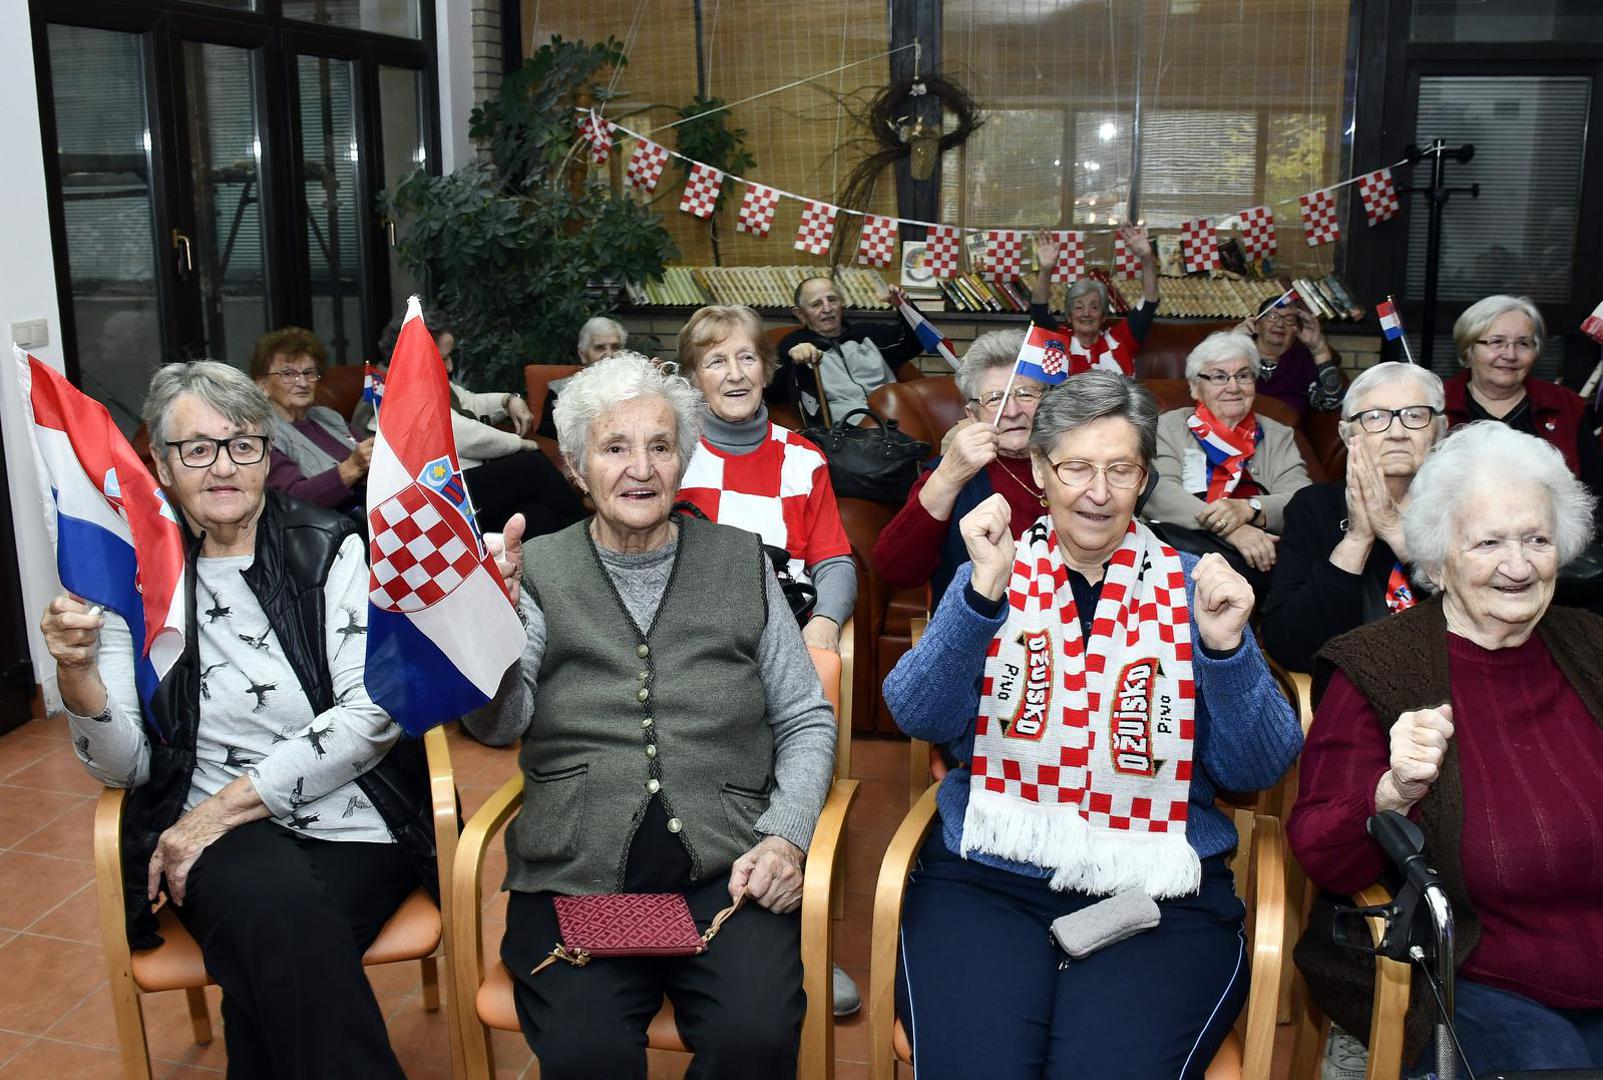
point(242, 450)
point(1021, 395)
point(1244, 377)
point(1078, 473)
point(290, 378)
point(1413, 417)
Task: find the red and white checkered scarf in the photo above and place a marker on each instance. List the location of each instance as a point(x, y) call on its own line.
point(1083, 749)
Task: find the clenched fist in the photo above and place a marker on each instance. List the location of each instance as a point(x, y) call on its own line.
point(1419, 742)
point(988, 534)
point(1222, 603)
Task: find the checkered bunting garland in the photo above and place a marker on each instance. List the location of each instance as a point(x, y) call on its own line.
point(1071, 256)
point(1318, 210)
point(1379, 195)
point(1199, 245)
point(1258, 232)
point(1004, 254)
point(599, 134)
point(817, 228)
point(1126, 263)
point(877, 245)
point(757, 209)
point(701, 191)
point(943, 249)
point(646, 165)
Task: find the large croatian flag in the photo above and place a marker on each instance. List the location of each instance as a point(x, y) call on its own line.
point(441, 630)
point(117, 541)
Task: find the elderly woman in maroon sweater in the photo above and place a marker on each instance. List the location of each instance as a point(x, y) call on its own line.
point(317, 456)
point(1480, 714)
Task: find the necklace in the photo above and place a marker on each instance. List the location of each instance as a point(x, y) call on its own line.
point(1029, 489)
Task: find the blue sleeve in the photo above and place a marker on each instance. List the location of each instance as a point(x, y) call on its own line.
point(1253, 736)
point(934, 689)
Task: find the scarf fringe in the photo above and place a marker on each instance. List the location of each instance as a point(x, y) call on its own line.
point(1082, 859)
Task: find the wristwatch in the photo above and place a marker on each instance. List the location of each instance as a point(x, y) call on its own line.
point(1257, 509)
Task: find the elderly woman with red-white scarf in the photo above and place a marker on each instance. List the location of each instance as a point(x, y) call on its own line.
point(1097, 687)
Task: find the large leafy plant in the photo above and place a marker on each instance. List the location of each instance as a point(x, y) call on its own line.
point(522, 246)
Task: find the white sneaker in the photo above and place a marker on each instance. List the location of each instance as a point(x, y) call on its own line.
point(1345, 1057)
point(847, 999)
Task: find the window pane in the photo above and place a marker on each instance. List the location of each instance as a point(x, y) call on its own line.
point(1013, 170)
point(1519, 236)
point(329, 154)
point(103, 148)
point(398, 17)
point(1101, 167)
point(401, 116)
point(1197, 163)
point(1507, 20)
point(225, 168)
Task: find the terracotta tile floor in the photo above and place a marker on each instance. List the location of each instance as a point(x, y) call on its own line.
point(55, 1015)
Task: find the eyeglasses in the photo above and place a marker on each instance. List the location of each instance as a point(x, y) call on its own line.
point(1275, 318)
point(1521, 344)
point(242, 450)
point(1076, 473)
point(1021, 395)
point(1415, 417)
point(1244, 377)
point(290, 378)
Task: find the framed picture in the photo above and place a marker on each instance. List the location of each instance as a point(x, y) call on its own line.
point(917, 280)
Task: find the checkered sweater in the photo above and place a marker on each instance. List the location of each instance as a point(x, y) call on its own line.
point(933, 692)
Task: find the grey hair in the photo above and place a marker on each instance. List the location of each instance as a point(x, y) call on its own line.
point(1489, 453)
point(600, 324)
point(1222, 345)
point(1092, 395)
point(1479, 316)
point(991, 350)
point(1395, 371)
point(1082, 287)
point(610, 382)
point(227, 389)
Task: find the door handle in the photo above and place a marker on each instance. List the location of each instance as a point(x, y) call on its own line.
point(389, 230)
point(186, 253)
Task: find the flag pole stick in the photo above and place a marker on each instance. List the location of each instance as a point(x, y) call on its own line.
point(1001, 406)
point(1404, 338)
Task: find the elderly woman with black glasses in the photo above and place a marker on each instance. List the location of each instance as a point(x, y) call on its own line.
point(1343, 561)
point(272, 802)
point(1098, 687)
point(988, 455)
point(1498, 340)
point(1225, 474)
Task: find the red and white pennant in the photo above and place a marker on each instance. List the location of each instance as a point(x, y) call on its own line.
point(1258, 232)
point(817, 228)
point(1199, 245)
point(757, 210)
point(1318, 210)
point(877, 245)
point(1379, 195)
point(943, 250)
point(1071, 256)
point(701, 191)
point(1004, 254)
point(646, 165)
point(1125, 261)
point(599, 134)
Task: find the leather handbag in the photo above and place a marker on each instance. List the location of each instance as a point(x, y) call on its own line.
point(629, 924)
point(879, 464)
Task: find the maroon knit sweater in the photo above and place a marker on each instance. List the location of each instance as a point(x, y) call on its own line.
point(1531, 760)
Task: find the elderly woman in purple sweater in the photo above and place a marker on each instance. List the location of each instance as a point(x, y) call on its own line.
point(317, 456)
point(1295, 362)
point(1097, 687)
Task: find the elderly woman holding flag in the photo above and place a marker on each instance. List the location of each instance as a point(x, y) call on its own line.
point(1087, 623)
point(674, 740)
point(1224, 473)
point(1093, 344)
point(271, 800)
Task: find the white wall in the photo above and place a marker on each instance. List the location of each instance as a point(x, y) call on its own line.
point(454, 25)
point(27, 291)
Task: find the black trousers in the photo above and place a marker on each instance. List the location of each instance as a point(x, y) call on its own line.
point(282, 923)
point(522, 483)
point(739, 1005)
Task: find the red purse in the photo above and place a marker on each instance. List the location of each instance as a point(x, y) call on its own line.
point(629, 924)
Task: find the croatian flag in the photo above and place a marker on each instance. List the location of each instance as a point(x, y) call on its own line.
point(932, 339)
point(1391, 323)
point(373, 386)
point(1288, 298)
point(441, 630)
point(1044, 356)
point(118, 544)
point(1592, 325)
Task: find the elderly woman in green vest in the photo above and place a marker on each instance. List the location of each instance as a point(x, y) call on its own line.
point(674, 739)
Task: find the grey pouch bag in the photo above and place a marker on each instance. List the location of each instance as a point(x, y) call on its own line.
point(1106, 922)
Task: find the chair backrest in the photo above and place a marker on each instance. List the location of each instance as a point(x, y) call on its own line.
point(537, 380)
point(340, 388)
point(923, 408)
point(1163, 354)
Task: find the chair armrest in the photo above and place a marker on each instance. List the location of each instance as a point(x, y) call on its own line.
point(108, 875)
point(464, 932)
point(1392, 985)
point(843, 721)
point(442, 796)
point(1269, 929)
point(887, 926)
point(1304, 684)
point(817, 925)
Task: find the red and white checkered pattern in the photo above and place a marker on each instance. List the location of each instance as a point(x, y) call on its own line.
point(781, 491)
point(1004, 254)
point(701, 191)
point(1199, 245)
point(877, 244)
point(943, 250)
point(1319, 217)
point(598, 133)
point(817, 228)
point(1258, 238)
point(757, 208)
point(422, 548)
point(1379, 195)
point(1071, 258)
point(1126, 263)
point(646, 165)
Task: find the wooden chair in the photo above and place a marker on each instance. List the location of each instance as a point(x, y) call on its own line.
point(414, 932)
point(483, 998)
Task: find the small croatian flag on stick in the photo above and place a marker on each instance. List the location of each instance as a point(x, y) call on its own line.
point(929, 337)
point(1044, 357)
point(1391, 324)
point(373, 386)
